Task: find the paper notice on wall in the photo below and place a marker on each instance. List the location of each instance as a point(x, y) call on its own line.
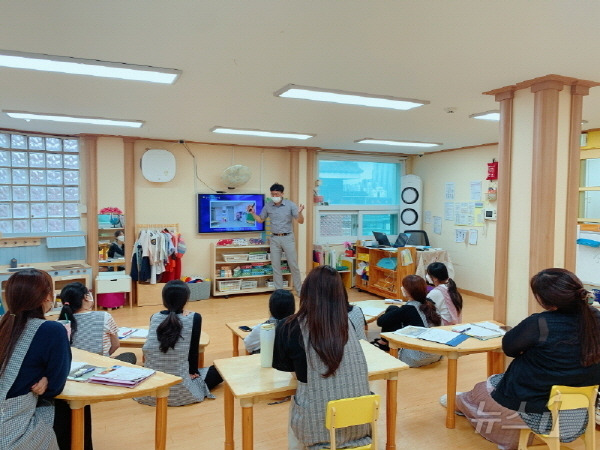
point(475, 191)
point(437, 224)
point(460, 235)
point(473, 237)
point(449, 213)
point(449, 194)
point(427, 216)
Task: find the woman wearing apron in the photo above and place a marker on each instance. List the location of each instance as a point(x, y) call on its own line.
point(321, 345)
point(35, 359)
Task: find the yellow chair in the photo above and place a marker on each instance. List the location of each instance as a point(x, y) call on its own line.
point(348, 412)
point(563, 398)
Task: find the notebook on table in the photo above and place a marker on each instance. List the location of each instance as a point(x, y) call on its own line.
point(446, 337)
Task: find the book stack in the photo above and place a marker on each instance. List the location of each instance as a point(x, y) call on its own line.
point(121, 376)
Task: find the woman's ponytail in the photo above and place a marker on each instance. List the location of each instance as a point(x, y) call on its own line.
point(66, 313)
point(455, 295)
point(430, 311)
point(169, 332)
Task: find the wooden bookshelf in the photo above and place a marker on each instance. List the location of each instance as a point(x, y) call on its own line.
point(385, 283)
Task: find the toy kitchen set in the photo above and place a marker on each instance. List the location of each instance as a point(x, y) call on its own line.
point(65, 256)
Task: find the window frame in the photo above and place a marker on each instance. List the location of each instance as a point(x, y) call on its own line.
point(360, 210)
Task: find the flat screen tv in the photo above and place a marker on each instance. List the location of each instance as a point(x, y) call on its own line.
point(223, 213)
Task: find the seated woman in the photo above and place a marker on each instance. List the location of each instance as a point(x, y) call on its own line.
point(117, 248)
point(559, 346)
point(172, 347)
point(444, 295)
point(92, 331)
point(35, 359)
point(281, 305)
point(321, 346)
point(418, 311)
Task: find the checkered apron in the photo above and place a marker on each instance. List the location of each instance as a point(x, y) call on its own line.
point(310, 402)
point(25, 422)
point(417, 358)
point(357, 318)
point(175, 362)
point(90, 330)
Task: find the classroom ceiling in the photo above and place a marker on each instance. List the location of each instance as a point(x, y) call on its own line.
point(235, 54)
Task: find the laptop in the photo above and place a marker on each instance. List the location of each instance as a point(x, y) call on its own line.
point(382, 239)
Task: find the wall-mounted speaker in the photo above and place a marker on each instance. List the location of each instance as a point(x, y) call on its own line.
point(411, 193)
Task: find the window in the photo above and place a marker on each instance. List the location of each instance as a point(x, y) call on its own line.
point(360, 195)
point(39, 184)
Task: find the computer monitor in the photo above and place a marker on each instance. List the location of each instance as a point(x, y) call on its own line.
point(401, 240)
point(382, 239)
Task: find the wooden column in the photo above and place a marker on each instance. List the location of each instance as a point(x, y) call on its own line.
point(577, 93)
point(90, 144)
point(503, 202)
point(129, 172)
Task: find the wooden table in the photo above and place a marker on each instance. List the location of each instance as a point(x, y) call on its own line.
point(468, 347)
point(138, 342)
point(80, 394)
point(248, 382)
point(380, 304)
point(238, 334)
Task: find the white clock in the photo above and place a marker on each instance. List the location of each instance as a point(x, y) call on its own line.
point(158, 165)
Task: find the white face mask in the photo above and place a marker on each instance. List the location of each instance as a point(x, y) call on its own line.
point(121, 238)
point(428, 279)
point(276, 199)
point(404, 294)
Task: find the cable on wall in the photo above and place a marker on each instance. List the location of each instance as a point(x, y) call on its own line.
point(196, 177)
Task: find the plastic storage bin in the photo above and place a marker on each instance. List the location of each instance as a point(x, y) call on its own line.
point(230, 285)
point(199, 291)
point(112, 300)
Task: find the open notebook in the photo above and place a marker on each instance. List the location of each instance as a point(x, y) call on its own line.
point(432, 334)
point(126, 332)
point(480, 330)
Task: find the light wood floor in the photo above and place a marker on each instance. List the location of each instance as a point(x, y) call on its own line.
point(420, 423)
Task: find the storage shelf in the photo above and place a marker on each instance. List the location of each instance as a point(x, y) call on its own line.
point(218, 261)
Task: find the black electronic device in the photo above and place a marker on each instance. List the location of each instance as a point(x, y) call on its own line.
point(245, 328)
point(401, 240)
point(382, 239)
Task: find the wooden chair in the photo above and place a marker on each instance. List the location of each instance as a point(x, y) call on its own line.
point(564, 398)
point(348, 412)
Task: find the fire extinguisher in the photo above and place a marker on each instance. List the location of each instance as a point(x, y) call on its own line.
point(492, 170)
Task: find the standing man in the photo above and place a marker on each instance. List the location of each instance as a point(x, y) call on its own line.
point(281, 213)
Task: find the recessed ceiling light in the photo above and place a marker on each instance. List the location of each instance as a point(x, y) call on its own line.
point(262, 133)
point(488, 115)
point(348, 98)
point(74, 119)
point(92, 67)
point(397, 143)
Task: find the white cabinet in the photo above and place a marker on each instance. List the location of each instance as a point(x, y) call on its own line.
point(244, 269)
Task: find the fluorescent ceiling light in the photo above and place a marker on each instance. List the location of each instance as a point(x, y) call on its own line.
point(349, 98)
point(249, 132)
point(488, 115)
point(92, 67)
point(397, 143)
point(74, 119)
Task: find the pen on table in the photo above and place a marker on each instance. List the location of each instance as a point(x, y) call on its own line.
point(81, 373)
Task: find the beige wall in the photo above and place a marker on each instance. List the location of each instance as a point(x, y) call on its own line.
point(175, 201)
point(473, 264)
point(111, 182)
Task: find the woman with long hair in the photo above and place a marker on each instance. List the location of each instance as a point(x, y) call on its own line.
point(559, 346)
point(445, 295)
point(321, 346)
point(35, 359)
point(418, 311)
point(92, 331)
point(281, 305)
point(172, 347)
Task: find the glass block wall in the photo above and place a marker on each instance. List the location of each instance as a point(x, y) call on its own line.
point(39, 185)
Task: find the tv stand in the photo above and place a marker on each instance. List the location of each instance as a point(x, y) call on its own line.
point(385, 283)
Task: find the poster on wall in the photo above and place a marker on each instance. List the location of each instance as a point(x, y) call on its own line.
point(437, 224)
point(475, 190)
point(449, 193)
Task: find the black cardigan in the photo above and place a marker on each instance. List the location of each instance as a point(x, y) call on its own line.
point(547, 352)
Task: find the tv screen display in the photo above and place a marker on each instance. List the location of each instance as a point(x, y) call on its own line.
point(222, 213)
